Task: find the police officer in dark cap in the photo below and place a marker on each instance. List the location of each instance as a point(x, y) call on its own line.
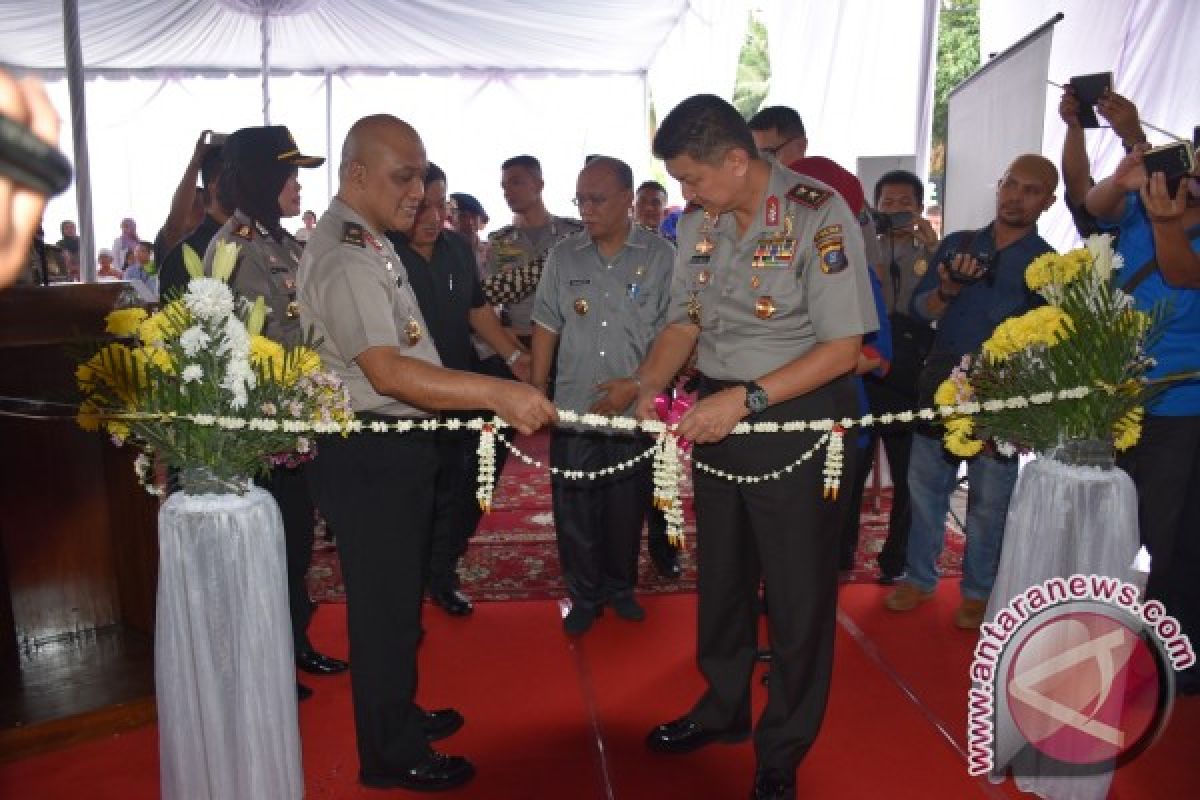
point(260, 181)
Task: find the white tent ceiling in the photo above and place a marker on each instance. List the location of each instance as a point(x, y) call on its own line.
point(598, 35)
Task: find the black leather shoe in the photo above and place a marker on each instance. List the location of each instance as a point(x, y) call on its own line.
point(774, 784)
point(628, 608)
point(441, 723)
point(314, 663)
point(578, 620)
point(683, 736)
point(436, 773)
point(303, 692)
point(453, 602)
point(666, 562)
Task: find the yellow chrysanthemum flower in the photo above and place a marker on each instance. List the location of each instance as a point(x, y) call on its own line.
point(124, 321)
point(157, 356)
point(1128, 429)
point(264, 351)
point(171, 321)
point(117, 428)
point(962, 446)
point(1053, 268)
point(960, 425)
point(946, 394)
point(88, 416)
point(1040, 271)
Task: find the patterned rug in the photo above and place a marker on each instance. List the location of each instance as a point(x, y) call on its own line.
point(513, 555)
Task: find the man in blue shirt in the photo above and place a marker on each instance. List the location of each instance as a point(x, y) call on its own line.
point(1165, 465)
point(979, 282)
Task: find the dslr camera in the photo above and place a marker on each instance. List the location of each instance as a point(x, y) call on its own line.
point(983, 258)
point(886, 222)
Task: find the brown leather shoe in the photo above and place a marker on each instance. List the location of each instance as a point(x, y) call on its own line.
point(969, 615)
point(905, 597)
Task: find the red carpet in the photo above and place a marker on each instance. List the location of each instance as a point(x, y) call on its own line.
point(513, 555)
point(549, 718)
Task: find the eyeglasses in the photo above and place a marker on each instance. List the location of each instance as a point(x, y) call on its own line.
point(579, 201)
point(774, 149)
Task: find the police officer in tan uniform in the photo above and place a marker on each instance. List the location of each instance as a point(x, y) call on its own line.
point(377, 489)
point(513, 247)
point(260, 182)
point(775, 293)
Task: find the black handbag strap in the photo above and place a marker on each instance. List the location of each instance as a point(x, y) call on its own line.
point(1145, 270)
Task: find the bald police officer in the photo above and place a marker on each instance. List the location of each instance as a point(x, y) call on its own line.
point(774, 290)
point(377, 489)
point(601, 301)
point(260, 180)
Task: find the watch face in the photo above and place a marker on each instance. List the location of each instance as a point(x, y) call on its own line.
point(756, 398)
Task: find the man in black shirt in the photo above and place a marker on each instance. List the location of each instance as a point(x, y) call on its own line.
point(442, 272)
point(172, 275)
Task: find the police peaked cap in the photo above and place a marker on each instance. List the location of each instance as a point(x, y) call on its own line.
point(265, 144)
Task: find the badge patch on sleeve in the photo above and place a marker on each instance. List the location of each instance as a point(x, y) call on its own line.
point(833, 255)
point(352, 233)
point(809, 196)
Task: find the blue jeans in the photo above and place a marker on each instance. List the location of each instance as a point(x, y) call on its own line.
point(932, 477)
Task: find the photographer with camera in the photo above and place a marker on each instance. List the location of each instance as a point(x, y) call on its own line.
point(979, 282)
point(907, 242)
point(1160, 244)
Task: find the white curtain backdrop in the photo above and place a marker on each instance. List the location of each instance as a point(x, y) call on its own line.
point(1149, 45)
point(700, 55)
point(856, 72)
point(142, 132)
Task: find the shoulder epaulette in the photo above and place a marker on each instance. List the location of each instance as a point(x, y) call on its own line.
point(244, 231)
point(809, 196)
point(352, 233)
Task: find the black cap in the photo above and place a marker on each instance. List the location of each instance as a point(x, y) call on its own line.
point(468, 203)
point(271, 143)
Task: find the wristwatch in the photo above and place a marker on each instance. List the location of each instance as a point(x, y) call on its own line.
point(756, 397)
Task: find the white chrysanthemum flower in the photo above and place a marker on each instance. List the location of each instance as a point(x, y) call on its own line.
point(209, 299)
point(193, 340)
point(1104, 260)
point(192, 373)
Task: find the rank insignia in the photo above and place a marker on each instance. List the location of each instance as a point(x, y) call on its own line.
point(244, 232)
point(771, 214)
point(693, 308)
point(412, 331)
point(764, 307)
point(809, 196)
point(920, 267)
point(352, 233)
point(581, 306)
point(293, 310)
point(755, 282)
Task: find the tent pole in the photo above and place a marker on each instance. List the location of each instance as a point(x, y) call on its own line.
point(329, 133)
point(266, 68)
point(83, 176)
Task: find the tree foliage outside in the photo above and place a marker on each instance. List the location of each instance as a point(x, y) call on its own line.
point(957, 59)
point(754, 69)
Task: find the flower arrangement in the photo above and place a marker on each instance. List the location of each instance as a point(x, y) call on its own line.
point(1088, 334)
point(203, 355)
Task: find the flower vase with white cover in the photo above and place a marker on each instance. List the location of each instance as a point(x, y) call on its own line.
point(177, 384)
point(1067, 381)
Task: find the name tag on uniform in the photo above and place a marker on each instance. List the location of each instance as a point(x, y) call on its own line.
point(580, 282)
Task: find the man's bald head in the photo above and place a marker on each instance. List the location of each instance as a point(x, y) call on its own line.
point(368, 135)
point(382, 171)
point(1038, 167)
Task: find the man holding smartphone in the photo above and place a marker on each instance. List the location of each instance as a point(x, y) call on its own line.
point(1160, 243)
point(976, 280)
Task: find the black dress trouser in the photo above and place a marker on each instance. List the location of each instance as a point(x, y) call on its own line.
point(1165, 467)
point(784, 533)
point(599, 523)
point(376, 490)
point(290, 489)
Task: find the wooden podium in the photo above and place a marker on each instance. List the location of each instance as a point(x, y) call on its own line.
point(78, 536)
